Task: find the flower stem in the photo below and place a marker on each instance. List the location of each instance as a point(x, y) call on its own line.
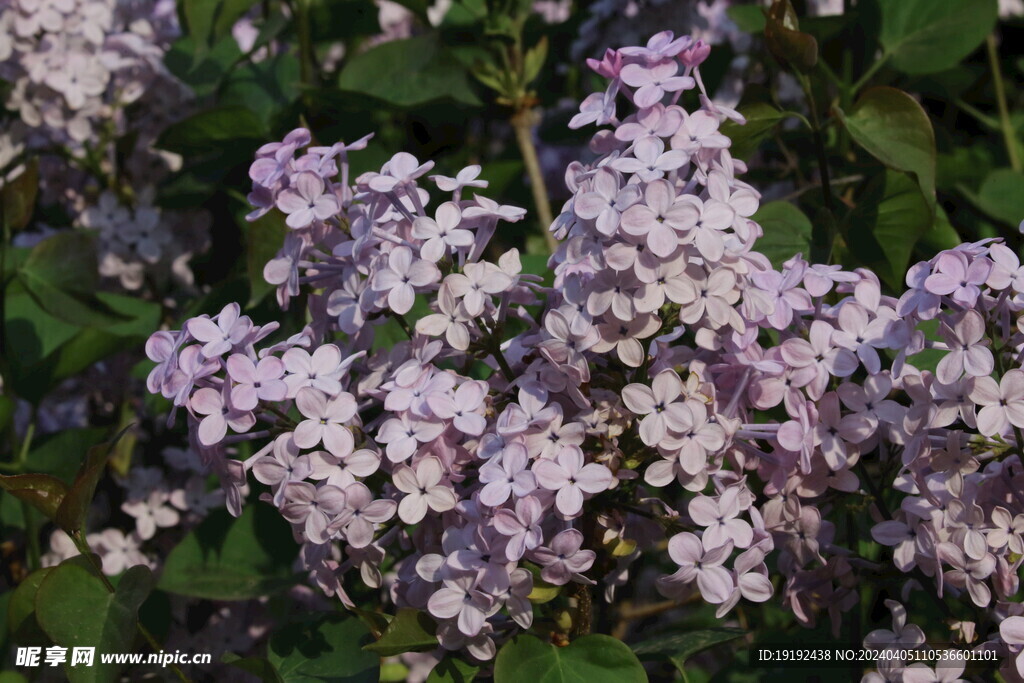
point(31, 521)
point(522, 123)
point(1009, 138)
point(824, 235)
point(878, 64)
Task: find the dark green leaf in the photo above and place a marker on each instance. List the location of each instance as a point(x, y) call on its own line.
point(887, 222)
point(266, 88)
point(1002, 196)
point(41, 491)
point(75, 308)
point(264, 237)
point(60, 454)
point(75, 506)
point(199, 15)
point(787, 232)
point(61, 276)
point(261, 668)
point(325, 648)
point(963, 164)
point(18, 197)
point(11, 513)
point(894, 129)
point(75, 609)
point(748, 18)
point(377, 622)
point(590, 659)
point(7, 407)
point(5, 636)
point(66, 261)
point(410, 631)
point(215, 130)
point(203, 72)
point(409, 72)
point(941, 235)
point(761, 119)
point(678, 647)
point(925, 36)
point(20, 619)
point(341, 20)
point(534, 60)
point(210, 20)
point(92, 344)
point(233, 559)
point(228, 12)
point(451, 669)
point(31, 335)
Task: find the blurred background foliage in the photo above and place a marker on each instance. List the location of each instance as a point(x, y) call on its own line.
point(878, 131)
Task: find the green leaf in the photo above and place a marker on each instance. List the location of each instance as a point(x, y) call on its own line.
point(926, 36)
point(5, 636)
point(887, 222)
point(11, 514)
point(748, 18)
point(534, 61)
point(18, 197)
point(231, 130)
point(61, 276)
point(203, 71)
point(264, 237)
point(926, 359)
point(266, 88)
point(209, 20)
point(407, 73)
point(120, 459)
point(590, 659)
point(233, 559)
point(325, 648)
point(678, 647)
point(76, 308)
point(451, 669)
point(31, 335)
point(199, 19)
point(785, 41)
point(41, 491)
point(20, 619)
point(261, 668)
point(333, 21)
point(73, 509)
point(761, 119)
point(941, 235)
point(895, 129)
point(787, 232)
point(228, 12)
point(410, 631)
point(91, 344)
point(1002, 196)
point(377, 622)
point(75, 609)
point(60, 454)
point(8, 406)
point(66, 261)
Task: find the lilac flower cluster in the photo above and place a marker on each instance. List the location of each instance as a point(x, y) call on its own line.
point(671, 386)
point(77, 64)
point(92, 92)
